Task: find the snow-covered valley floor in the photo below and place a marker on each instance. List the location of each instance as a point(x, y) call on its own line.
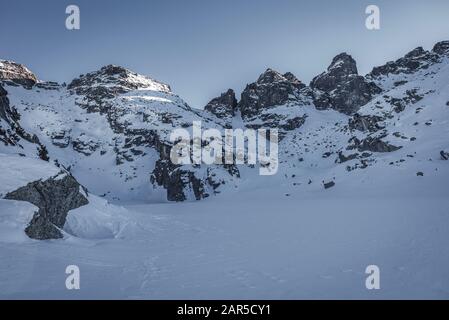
point(258, 244)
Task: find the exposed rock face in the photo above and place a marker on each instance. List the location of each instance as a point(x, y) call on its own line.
point(329, 184)
point(444, 155)
point(416, 59)
point(10, 129)
point(48, 85)
point(110, 81)
point(137, 114)
point(54, 197)
point(271, 89)
point(141, 122)
point(365, 123)
point(15, 73)
point(342, 158)
point(177, 181)
point(341, 88)
point(400, 103)
point(6, 136)
point(117, 80)
point(441, 48)
point(173, 178)
point(4, 103)
point(373, 144)
point(223, 106)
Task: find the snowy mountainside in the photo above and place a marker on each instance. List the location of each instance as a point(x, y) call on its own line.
point(393, 119)
point(362, 179)
point(405, 127)
point(111, 128)
point(108, 127)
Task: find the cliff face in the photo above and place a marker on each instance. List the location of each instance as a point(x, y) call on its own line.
point(341, 88)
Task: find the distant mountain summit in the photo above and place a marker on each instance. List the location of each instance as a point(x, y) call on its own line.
point(109, 131)
point(15, 73)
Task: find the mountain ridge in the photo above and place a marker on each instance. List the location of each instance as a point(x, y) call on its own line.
point(110, 128)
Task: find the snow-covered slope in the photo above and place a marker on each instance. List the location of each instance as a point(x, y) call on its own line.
point(108, 128)
point(363, 179)
point(111, 127)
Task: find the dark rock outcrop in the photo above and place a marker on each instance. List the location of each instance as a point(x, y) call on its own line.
point(16, 74)
point(4, 104)
point(341, 88)
point(177, 181)
point(108, 82)
point(271, 89)
point(10, 129)
point(416, 59)
point(48, 85)
point(342, 158)
point(441, 48)
point(373, 144)
point(365, 123)
point(411, 96)
point(115, 80)
point(329, 184)
point(444, 155)
point(54, 197)
point(223, 106)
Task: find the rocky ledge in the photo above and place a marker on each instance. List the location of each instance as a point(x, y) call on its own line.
point(54, 197)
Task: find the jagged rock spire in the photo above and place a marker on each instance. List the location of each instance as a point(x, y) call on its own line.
point(271, 88)
point(441, 47)
point(223, 106)
point(341, 88)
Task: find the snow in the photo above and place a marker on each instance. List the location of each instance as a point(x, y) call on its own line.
point(16, 172)
point(48, 113)
point(255, 245)
point(272, 237)
point(98, 220)
point(14, 218)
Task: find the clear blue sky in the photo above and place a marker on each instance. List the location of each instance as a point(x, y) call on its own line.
point(202, 47)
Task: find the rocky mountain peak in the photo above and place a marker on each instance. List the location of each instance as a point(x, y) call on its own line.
point(223, 106)
point(341, 88)
point(111, 69)
point(271, 89)
point(417, 52)
point(343, 64)
point(270, 76)
point(441, 47)
point(16, 73)
point(413, 61)
point(292, 78)
point(341, 68)
point(115, 80)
